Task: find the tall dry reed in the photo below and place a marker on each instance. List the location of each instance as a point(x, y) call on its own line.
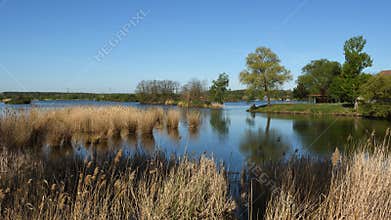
point(173, 117)
point(27, 128)
point(140, 188)
point(360, 188)
point(193, 119)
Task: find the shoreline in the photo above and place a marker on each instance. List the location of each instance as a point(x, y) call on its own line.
point(308, 109)
point(358, 115)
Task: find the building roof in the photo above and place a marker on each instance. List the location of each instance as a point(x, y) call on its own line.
point(317, 95)
point(385, 73)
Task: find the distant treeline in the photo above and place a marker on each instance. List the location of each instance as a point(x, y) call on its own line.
point(26, 97)
point(147, 97)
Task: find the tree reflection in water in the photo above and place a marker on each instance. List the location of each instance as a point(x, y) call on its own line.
point(263, 144)
point(250, 120)
point(321, 135)
point(220, 122)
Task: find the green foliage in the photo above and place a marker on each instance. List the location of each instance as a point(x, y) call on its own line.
point(346, 87)
point(264, 72)
point(20, 100)
point(377, 92)
point(300, 91)
point(235, 95)
point(376, 110)
point(377, 88)
point(280, 94)
point(327, 109)
point(219, 88)
point(355, 59)
point(18, 97)
point(318, 76)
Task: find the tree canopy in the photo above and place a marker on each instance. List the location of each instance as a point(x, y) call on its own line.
point(219, 88)
point(356, 60)
point(157, 91)
point(194, 90)
point(318, 76)
point(300, 91)
point(346, 87)
point(264, 73)
point(377, 88)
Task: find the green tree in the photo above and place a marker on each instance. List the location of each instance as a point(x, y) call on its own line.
point(346, 87)
point(377, 92)
point(264, 73)
point(318, 76)
point(300, 91)
point(355, 59)
point(377, 88)
point(219, 88)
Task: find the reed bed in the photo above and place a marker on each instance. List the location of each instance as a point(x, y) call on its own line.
point(193, 119)
point(147, 121)
point(144, 187)
point(27, 128)
point(359, 188)
point(173, 117)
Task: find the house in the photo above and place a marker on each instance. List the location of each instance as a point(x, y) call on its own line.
point(385, 73)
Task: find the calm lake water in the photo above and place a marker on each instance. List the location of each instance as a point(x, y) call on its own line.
point(235, 136)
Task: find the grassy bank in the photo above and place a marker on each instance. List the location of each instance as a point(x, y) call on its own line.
point(326, 109)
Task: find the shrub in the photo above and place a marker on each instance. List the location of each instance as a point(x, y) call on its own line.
point(377, 110)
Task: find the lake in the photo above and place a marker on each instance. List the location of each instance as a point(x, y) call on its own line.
point(232, 135)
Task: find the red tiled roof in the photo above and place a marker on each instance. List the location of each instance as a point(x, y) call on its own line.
point(385, 72)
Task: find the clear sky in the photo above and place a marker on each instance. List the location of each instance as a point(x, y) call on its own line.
point(48, 45)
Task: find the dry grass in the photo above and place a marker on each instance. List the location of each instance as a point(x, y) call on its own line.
point(141, 188)
point(216, 105)
point(173, 117)
point(147, 121)
point(360, 188)
point(194, 119)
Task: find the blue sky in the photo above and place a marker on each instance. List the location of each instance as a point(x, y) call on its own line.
point(48, 45)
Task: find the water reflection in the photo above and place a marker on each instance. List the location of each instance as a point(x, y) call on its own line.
point(321, 136)
point(174, 135)
point(220, 122)
point(264, 144)
point(232, 135)
point(250, 120)
point(131, 141)
point(194, 133)
point(148, 143)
